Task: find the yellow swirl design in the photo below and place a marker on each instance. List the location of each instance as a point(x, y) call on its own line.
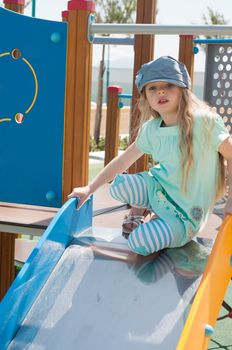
point(5, 120)
point(4, 54)
point(36, 85)
point(35, 81)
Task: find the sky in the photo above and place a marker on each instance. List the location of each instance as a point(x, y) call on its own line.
point(169, 12)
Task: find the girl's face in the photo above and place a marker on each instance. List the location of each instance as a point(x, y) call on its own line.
point(163, 97)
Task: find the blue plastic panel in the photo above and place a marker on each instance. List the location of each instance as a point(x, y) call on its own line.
point(32, 86)
point(67, 223)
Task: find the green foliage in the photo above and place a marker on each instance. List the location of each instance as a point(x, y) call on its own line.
point(115, 11)
point(94, 147)
point(214, 18)
point(109, 11)
point(28, 3)
point(123, 143)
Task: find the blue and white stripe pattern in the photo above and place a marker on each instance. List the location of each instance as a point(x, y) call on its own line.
point(130, 189)
point(149, 237)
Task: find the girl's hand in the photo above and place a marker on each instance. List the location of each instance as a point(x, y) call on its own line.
point(228, 207)
point(82, 193)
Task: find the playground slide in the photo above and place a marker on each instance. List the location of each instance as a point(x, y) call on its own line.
point(82, 288)
point(211, 292)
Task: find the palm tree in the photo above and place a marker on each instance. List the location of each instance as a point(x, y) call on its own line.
point(109, 11)
point(214, 18)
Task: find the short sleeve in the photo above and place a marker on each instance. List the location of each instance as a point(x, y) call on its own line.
point(219, 132)
point(142, 141)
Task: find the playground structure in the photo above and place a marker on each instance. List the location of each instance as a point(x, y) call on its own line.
point(70, 163)
point(74, 156)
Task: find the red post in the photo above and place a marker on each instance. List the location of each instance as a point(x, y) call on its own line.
point(64, 15)
point(15, 5)
point(112, 123)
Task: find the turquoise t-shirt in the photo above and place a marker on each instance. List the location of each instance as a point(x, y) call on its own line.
point(163, 144)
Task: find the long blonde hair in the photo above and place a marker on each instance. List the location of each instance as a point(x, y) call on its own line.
point(188, 103)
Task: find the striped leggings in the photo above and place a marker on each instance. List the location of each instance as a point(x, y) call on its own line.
point(149, 237)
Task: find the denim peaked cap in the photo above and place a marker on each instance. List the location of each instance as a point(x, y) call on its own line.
point(165, 68)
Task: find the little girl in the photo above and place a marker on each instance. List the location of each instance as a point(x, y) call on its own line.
point(188, 141)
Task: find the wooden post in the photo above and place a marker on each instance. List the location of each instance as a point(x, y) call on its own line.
point(112, 123)
point(7, 270)
point(144, 52)
point(78, 97)
point(7, 240)
point(186, 54)
point(15, 5)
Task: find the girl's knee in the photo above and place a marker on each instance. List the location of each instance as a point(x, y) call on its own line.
point(114, 188)
point(130, 189)
point(151, 237)
point(136, 246)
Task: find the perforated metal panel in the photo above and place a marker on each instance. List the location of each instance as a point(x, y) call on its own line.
point(218, 80)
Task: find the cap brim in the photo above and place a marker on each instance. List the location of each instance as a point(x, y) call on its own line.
point(174, 82)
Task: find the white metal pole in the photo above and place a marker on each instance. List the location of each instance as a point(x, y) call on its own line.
point(98, 28)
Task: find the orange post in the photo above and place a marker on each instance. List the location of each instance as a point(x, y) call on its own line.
point(15, 5)
point(78, 96)
point(186, 54)
point(112, 123)
point(144, 52)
